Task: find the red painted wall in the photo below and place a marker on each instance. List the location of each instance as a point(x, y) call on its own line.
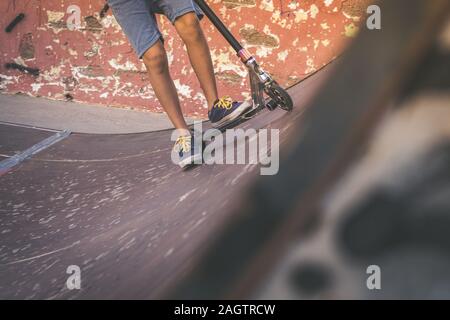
point(95, 63)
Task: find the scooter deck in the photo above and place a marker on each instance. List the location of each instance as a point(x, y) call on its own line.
point(250, 114)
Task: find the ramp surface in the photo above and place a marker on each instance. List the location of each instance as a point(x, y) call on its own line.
point(115, 206)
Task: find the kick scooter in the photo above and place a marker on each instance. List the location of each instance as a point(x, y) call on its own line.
point(261, 82)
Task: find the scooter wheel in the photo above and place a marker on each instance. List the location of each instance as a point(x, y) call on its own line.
point(279, 96)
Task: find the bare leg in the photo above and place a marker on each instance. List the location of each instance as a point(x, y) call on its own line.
point(155, 59)
point(188, 27)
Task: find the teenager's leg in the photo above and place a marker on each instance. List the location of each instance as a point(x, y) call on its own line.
point(155, 59)
point(188, 27)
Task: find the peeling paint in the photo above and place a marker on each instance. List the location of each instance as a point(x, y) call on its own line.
point(96, 64)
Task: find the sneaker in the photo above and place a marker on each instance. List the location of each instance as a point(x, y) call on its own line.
point(225, 111)
point(186, 151)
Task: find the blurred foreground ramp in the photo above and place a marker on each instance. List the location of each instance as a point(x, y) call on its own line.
point(313, 230)
point(116, 206)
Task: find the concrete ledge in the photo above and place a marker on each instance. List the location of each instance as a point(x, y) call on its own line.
point(78, 117)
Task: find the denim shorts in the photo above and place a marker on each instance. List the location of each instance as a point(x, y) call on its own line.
point(138, 21)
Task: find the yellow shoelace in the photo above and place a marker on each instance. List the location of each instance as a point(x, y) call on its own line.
point(183, 144)
point(225, 102)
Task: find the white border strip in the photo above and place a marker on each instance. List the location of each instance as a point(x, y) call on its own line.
point(7, 164)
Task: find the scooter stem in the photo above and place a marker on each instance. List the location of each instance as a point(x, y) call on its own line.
point(241, 52)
